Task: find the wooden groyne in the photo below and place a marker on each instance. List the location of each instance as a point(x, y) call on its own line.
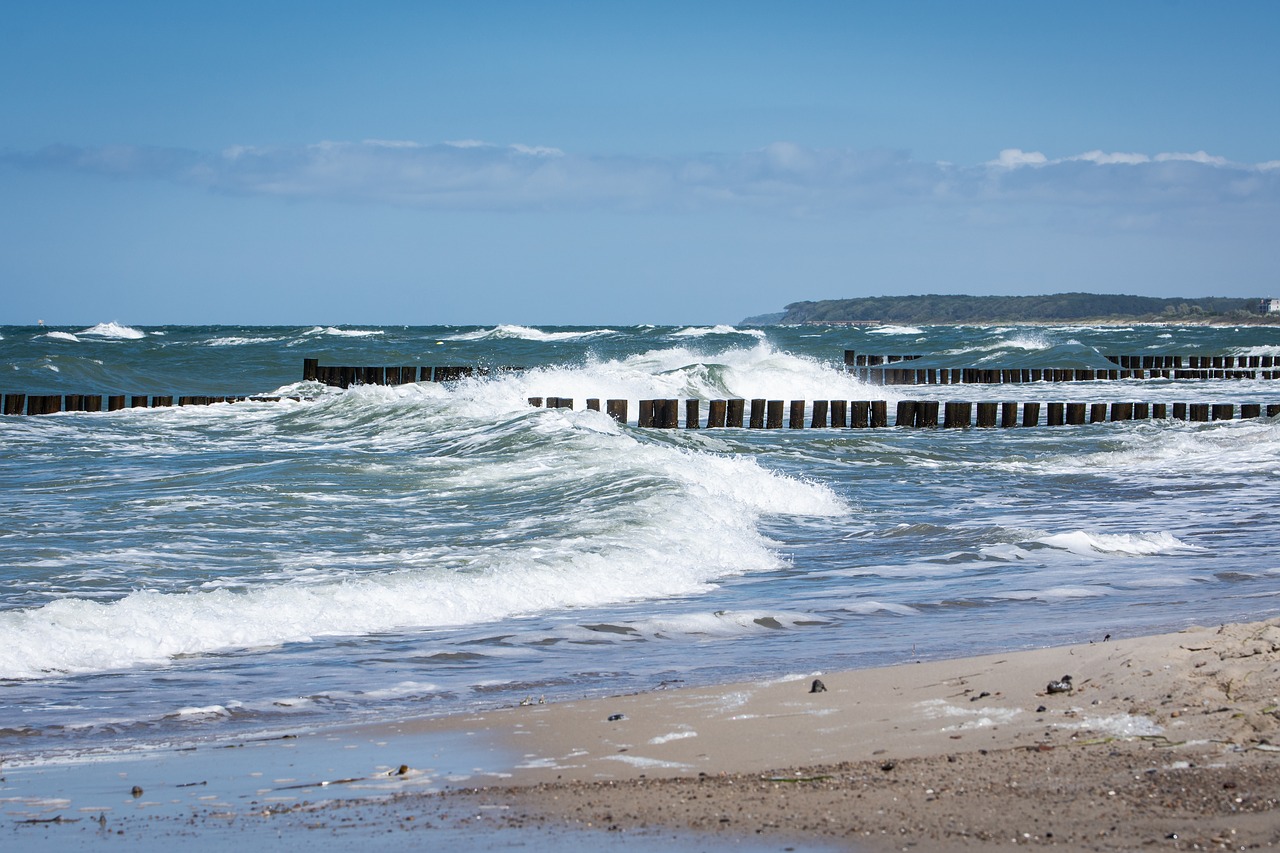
point(889, 370)
point(48, 404)
point(873, 414)
point(347, 376)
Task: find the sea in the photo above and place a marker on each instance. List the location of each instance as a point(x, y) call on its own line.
point(202, 574)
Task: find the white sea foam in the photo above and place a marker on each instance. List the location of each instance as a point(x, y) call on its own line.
point(1058, 593)
point(62, 336)
point(894, 330)
point(343, 333)
point(527, 333)
point(689, 502)
point(1086, 544)
point(1118, 725)
point(114, 330)
point(667, 738)
point(703, 331)
point(685, 372)
point(234, 341)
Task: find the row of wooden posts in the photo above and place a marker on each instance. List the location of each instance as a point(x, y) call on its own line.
point(48, 404)
point(1006, 376)
point(346, 376)
point(879, 370)
point(845, 414)
point(756, 413)
point(1133, 362)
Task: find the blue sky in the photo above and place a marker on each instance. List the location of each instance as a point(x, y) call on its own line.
point(615, 163)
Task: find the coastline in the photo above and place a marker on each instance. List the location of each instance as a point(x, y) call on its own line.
point(1170, 740)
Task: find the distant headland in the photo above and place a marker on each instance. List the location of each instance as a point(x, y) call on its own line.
point(935, 309)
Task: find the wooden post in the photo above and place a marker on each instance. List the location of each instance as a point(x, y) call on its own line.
point(115, 402)
point(309, 368)
point(1250, 410)
point(692, 414)
point(593, 404)
point(1076, 413)
point(1055, 414)
point(927, 414)
point(1121, 411)
point(1224, 411)
point(757, 414)
point(734, 412)
point(879, 413)
point(1159, 411)
point(986, 414)
point(1030, 414)
point(161, 401)
point(797, 415)
point(839, 414)
point(617, 409)
point(1098, 413)
point(774, 415)
point(1179, 411)
point(859, 413)
point(716, 411)
point(646, 413)
point(906, 414)
point(819, 420)
point(670, 414)
point(14, 403)
point(957, 414)
point(536, 402)
point(553, 402)
point(564, 402)
point(1008, 415)
point(1199, 411)
point(1273, 409)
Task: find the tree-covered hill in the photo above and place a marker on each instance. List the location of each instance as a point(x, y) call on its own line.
point(1057, 307)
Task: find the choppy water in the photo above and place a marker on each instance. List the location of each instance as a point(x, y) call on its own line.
point(202, 572)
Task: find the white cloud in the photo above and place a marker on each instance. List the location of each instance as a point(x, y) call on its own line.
point(1012, 158)
point(1116, 158)
point(782, 177)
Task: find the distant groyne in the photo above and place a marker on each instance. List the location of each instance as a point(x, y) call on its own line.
point(897, 370)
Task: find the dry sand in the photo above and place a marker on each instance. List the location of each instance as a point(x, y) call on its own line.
point(1163, 741)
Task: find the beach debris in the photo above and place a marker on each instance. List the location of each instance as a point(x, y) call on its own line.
point(817, 686)
point(983, 695)
point(613, 718)
point(1063, 685)
point(888, 765)
point(400, 771)
point(1040, 709)
point(136, 791)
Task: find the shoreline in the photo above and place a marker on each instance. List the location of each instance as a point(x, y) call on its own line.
point(1170, 740)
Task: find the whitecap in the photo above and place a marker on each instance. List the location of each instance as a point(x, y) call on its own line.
point(703, 331)
point(527, 333)
point(1086, 544)
point(895, 330)
point(61, 336)
point(114, 330)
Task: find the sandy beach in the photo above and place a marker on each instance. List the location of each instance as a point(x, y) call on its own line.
point(1168, 741)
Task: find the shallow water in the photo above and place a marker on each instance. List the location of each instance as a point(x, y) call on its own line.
point(203, 573)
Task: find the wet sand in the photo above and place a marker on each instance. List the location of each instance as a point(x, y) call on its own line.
point(1170, 741)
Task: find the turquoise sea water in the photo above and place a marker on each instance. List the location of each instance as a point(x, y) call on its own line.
point(199, 573)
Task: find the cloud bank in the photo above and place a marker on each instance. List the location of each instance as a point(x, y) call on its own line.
point(781, 177)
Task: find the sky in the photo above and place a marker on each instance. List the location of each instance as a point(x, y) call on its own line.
point(584, 163)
